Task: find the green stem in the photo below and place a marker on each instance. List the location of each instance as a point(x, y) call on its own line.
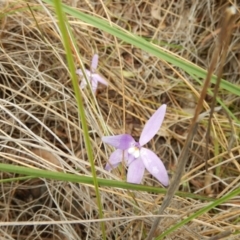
point(62, 25)
point(67, 177)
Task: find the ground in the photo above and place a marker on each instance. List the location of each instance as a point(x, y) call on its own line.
point(41, 128)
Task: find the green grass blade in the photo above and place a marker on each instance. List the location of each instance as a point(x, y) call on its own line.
point(200, 212)
point(221, 103)
point(62, 25)
point(67, 177)
point(139, 42)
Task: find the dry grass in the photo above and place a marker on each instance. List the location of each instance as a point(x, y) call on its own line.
point(40, 127)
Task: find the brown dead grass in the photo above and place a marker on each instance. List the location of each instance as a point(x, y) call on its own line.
point(40, 127)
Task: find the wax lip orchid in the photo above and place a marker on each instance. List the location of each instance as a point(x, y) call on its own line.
point(136, 157)
point(92, 76)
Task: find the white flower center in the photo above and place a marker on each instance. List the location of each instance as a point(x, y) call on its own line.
point(134, 151)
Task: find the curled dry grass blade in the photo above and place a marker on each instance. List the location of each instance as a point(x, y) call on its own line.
point(38, 111)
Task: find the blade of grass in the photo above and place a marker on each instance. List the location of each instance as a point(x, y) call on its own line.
point(10, 180)
point(62, 25)
point(157, 51)
point(182, 160)
point(67, 177)
point(227, 24)
point(222, 235)
point(221, 103)
point(200, 212)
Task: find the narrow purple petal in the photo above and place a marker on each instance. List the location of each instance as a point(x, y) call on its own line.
point(98, 78)
point(94, 63)
point(154, 165)
point(115, 158)
point(123, 141)
point(135, 171)
point(130, 158)
point(152, 125)
point(83, 84)
point(88, 75)
point(79, 72)
point(94, 85)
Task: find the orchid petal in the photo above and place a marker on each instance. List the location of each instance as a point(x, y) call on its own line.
point(129, 159)
point(83, 84)
point(123, 141)
point(94, 63)
point(115, 158)
point(100, 79)
point(94, 85)
point(154, 165)
point(135, 171)
point(88, 75)
point(152, 125)
point(80, 73)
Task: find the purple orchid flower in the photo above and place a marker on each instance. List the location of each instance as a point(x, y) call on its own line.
point(136, 157)
point(92, 76)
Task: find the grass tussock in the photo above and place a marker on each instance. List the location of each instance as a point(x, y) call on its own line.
point(40, 127)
